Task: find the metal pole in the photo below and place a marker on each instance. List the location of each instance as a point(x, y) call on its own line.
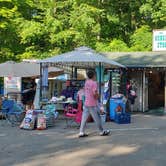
point(165, 92)
point(100, 81)
point(110, 83)
point(72, 72)
point(143, 93)
point(45, 82)
point(40, 81)
point(75, 73)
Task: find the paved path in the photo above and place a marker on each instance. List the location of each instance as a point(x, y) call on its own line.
point(141, 143)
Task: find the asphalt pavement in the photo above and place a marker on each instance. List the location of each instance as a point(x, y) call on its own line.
point(140, 143)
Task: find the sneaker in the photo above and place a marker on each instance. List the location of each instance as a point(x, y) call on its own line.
point(105, 132)
point(82, 135)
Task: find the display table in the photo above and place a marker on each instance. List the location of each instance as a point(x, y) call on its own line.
point(59, 104)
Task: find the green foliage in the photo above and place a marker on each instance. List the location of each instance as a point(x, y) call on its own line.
point(154, 13)
point(84, 20)
point(102, 47)
point(141, 40)
point(117, 45)
point(6, 54)
point(43, 28)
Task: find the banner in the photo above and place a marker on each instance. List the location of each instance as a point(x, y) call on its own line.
point(12, 84)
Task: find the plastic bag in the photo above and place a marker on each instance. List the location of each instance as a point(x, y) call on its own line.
point(133, 93)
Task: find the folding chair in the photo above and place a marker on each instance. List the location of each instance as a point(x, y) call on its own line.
point(72, 116)
point(11, 115)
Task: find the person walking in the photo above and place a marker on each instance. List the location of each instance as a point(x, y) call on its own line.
point(91, 105)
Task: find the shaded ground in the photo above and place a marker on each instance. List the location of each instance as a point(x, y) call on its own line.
point(159, 111)
point(141, 143)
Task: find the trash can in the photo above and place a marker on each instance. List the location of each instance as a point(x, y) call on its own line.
point(116, 105)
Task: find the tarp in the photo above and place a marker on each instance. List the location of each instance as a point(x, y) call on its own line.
point(82, 57)
point(24, 69)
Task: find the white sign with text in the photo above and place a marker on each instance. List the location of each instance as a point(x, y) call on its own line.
point(159, 40)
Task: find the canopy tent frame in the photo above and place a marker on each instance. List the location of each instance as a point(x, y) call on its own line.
point(82, 57)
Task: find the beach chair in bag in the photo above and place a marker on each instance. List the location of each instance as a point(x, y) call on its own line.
point(51, 114)
point(10, 113)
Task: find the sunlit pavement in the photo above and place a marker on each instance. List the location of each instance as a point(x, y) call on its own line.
point(141, 143)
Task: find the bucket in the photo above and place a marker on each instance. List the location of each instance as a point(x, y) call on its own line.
point(103, 118)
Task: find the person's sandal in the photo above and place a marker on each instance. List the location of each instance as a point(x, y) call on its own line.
point(82, 135)
point(105, 133)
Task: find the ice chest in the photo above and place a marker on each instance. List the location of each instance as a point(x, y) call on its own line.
point(122, 118)
point(114, 104)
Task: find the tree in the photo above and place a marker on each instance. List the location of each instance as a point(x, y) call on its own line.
point(117, 45)
point(141, 40)
point(154, 13)
point(8, 39)
point(42, 28)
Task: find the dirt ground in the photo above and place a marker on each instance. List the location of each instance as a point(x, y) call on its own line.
point(141, 143)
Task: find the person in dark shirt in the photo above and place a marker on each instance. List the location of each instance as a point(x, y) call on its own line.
point(28, 96)
point(131, 94)
point(68, 92)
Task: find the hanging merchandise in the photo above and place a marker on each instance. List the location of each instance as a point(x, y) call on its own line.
point(116, 78)
point(105, 96)
point(106, 77)
point(106, 92)
point(106, 88)
point(44, 83)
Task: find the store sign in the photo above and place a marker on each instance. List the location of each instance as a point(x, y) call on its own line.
point(159, 40)
point(12, 84)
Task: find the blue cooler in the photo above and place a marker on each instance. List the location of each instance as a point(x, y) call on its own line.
point(114, 104)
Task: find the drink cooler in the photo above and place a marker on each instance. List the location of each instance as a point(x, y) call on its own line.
point(119, 117)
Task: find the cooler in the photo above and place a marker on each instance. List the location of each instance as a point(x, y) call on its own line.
point(116, 105)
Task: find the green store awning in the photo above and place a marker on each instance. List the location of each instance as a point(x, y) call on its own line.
point(139, 59)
